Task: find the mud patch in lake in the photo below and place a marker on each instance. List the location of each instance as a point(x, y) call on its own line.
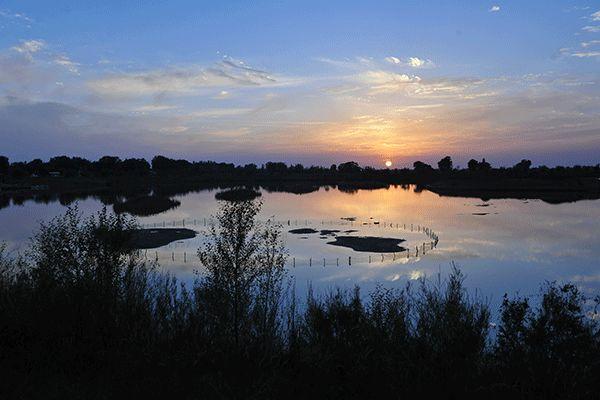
point(369, 244)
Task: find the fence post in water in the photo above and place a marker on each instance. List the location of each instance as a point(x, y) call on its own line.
point(294, 262)
point(310, 262)
point(394, 257)
point(323, 262)
point(173, 256)
point(184, 257)
point(369, 259)
point(337, 262)
point(382, 257)
point(164, 223)
point(349, 260)
point(411, 227)
point(183, 223)
point(407, 253)
point(156, 255)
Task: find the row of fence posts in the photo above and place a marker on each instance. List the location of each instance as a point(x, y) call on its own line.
point(418, 228)
point(418, 249)
point(395, 256)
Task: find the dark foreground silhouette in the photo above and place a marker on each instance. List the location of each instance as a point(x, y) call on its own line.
point(82, 317)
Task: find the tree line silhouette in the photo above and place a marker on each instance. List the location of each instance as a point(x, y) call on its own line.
point(83, 316)
point(111, 167)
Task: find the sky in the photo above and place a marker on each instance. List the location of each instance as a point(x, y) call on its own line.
point(316, 82)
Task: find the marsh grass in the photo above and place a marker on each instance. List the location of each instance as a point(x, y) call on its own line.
point(81, 316)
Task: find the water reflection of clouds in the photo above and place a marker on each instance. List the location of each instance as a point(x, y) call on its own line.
point(523, 245)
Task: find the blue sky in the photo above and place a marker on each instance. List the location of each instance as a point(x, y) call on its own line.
point(312, 82)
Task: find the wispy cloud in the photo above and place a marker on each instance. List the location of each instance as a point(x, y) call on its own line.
point(591, 28)
point(586, 54)
point(184, 80)
point(595, 16)
point(15, 16)
point(414, 62)
point(590, 43)
point(495, 8)
point(29, 47)
point(66, 62)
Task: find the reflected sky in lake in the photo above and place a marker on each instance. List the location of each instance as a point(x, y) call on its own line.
point(502, 245)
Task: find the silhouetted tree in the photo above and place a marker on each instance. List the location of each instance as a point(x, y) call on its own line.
point(4, 164)
point(420, 166)
point(484, 165)
point(349, 167)
point(245, 265)
point(275, 167)
point(445, 164)
point(138, 165)
point(522, 166)
point(473, 165)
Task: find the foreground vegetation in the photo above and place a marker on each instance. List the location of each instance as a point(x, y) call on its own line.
point(81, 316)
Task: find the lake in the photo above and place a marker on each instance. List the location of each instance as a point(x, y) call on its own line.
point(502, 246)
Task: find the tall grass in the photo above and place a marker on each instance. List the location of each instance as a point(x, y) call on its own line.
point(81, 316)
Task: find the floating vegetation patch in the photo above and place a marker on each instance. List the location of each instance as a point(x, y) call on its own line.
point(241, 194)
point(329, 232)
point(303, 231)
point(153, 238)
point(370, 244)
point(480, 213)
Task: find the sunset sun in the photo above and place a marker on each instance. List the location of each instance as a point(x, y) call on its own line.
point(388, 163)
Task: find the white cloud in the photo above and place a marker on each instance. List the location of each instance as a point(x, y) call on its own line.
point(592, 29)
point(382, 77)
point(154, 108)
point(393, 60)
point(596, 16)
point(16, 16)
point(495, 8)
point(223, 94)
point(174, 129)
point(590, 43)
point(219, 112)
point(66, 62)
point(29, 47)
point(184, 81)
point(414, 62)
point(586, 54)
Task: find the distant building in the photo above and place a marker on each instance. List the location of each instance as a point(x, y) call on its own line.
point(54, 174)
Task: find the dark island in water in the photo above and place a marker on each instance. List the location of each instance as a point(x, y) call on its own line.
point(369, 244)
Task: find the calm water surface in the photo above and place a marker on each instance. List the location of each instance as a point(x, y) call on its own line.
point(501, 245)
